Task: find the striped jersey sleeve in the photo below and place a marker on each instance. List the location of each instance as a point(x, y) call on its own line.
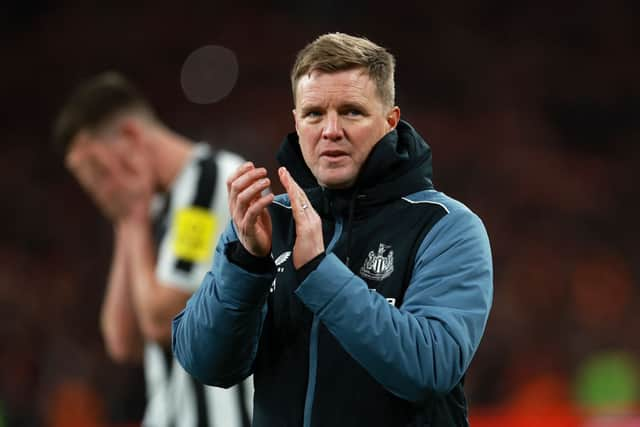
point(196, 214)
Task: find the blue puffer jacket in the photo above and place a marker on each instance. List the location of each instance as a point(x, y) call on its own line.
point(380, 332)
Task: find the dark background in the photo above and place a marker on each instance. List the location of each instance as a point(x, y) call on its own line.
point(532, 110)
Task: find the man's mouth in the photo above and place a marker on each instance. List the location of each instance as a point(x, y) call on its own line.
point(333, 154)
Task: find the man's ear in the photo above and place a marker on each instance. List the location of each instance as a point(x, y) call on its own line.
point(393, 117)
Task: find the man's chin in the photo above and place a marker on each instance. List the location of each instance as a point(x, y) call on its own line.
point(336, 181)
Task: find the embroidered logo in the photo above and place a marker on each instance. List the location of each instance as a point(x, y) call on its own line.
point(378, 266)
point(281, 259)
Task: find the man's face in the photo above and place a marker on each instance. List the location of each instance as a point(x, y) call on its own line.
point(339, 118)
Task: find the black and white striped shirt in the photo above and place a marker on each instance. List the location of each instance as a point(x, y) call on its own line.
point(187, 223)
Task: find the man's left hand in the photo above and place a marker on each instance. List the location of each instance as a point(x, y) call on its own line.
point(309, 241)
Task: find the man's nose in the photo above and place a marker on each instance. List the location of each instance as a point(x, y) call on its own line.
point(332, 128)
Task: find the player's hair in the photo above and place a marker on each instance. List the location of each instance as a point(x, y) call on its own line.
point(94, 103)
point(334, 52)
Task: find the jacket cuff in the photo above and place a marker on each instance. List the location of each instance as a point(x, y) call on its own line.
point(241, 257)
point(307, 268)
point(324, 283)
point(238, 288)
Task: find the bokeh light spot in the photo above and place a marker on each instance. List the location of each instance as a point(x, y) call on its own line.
point(209, 74)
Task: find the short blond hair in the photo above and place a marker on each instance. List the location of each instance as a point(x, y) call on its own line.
point(334, 52)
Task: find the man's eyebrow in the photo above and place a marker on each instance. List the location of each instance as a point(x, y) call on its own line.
point(353, 105)
point(310, 106)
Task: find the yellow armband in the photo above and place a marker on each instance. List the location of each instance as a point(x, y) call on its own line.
point(193, 231)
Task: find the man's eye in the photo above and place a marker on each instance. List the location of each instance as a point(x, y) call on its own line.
point(354, 112)
point(312, 114)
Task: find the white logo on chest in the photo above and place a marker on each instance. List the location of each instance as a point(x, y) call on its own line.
point(378, 266)
point(282, 258)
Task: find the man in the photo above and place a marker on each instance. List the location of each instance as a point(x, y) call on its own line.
point(360, 300)
point(166, 198)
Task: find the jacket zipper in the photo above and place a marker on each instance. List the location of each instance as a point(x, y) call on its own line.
point(313, 345)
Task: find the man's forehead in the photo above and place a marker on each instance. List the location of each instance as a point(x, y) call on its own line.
point(352, 84)
point(355, 76)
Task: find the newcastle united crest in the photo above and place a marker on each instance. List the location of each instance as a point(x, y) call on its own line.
point(378, 266)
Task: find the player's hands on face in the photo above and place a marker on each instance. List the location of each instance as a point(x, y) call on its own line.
point(134, 184)
point(119, 183)
point(126, 185)
point(309, 241)
point(89, 164)
point(248, 208)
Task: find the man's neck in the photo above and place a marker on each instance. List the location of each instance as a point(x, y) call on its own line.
point(170, 153)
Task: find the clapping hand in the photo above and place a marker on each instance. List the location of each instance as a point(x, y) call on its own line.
point(309, 241)
point(248, 208)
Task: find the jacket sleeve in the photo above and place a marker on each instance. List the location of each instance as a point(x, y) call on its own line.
point(215, 338)
point(424, 346)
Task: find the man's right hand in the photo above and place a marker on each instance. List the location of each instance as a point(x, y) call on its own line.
point(248, 208)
